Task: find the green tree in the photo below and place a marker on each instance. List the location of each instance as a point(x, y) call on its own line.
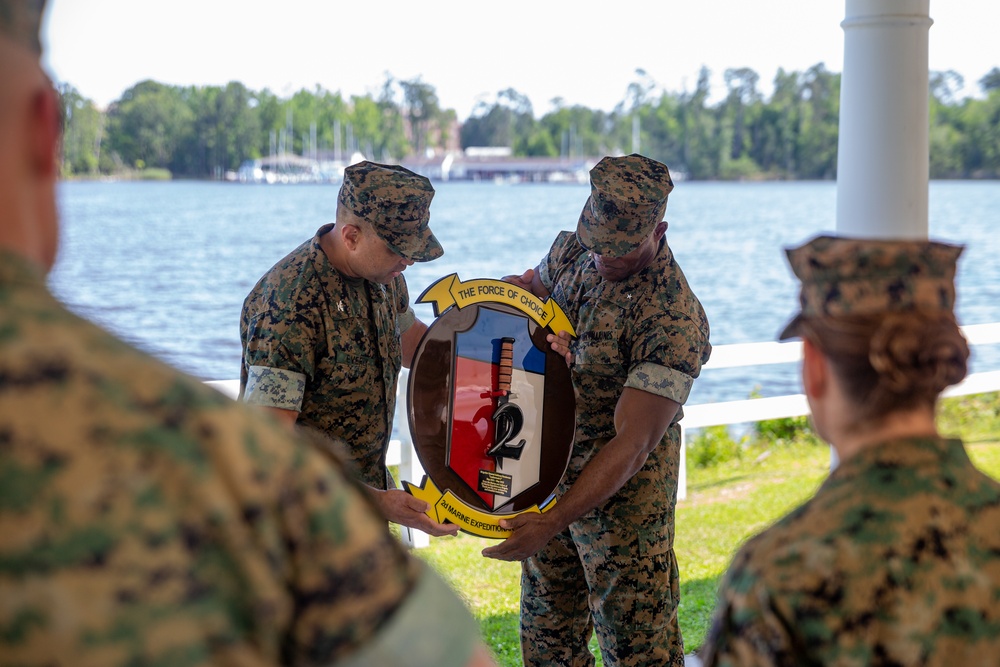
point(423, 111)
point(819, 114)
point(366, 124)
point(741, 84)
point(146, 124)
point(578, 130)
point(661, 130)
point(83, 129)
point(699, 147)
point(393, 126)
point(508, 120)
point(631, 118)
point(980, 125)
point(945, 138)
point(991, 81)
point(225, 131)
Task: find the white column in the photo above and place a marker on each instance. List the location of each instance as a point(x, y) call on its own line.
point(883, 163)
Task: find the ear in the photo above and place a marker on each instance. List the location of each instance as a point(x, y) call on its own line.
point(660, 230)
point(815, 370)
point(351, 235)
point(45, 132)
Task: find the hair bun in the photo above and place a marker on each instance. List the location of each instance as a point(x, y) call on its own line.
point(926, 353)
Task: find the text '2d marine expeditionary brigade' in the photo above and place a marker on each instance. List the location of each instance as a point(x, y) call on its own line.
point(491, 407)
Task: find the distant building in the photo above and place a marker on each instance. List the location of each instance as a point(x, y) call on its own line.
point(489, 164)
point(498, 165)
point(291, 168)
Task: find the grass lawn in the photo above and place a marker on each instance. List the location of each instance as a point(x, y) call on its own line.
point(727, 502)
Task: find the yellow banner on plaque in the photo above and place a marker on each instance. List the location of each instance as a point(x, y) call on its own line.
point(449, 507)
point(451, 291)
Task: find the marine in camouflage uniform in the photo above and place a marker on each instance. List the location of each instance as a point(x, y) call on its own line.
point(144, 518)
point(613, 567)
point(896, 559)
point(326, 345)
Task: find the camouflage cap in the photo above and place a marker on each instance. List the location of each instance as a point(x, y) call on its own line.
point(850, 276)
point(20, 21)
point(628, 197)
point(396, 202)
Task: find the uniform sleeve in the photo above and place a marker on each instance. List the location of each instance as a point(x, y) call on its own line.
point(405, 317)
point(279, 355)
point(667, 356)
point(359, 596)
point(670, 339)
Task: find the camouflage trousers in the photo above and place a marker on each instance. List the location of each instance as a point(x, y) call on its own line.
point(617, 576)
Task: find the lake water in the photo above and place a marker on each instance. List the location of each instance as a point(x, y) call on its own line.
point(167, 265)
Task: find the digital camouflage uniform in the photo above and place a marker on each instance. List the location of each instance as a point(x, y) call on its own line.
point(147, 520)
point(328, 346)
point(896, 559)
point(616, 564)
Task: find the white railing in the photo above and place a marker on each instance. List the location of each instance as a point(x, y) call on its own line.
point(723, 413)
point(727, 413)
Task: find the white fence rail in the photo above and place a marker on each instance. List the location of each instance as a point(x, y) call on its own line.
point(724, 413)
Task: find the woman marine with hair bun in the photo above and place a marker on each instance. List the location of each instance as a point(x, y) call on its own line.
point(896, 559)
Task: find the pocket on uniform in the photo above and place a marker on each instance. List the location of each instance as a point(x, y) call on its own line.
point(603, 358)
point(350, 372)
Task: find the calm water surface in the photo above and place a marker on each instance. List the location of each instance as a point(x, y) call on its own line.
point(167, 265)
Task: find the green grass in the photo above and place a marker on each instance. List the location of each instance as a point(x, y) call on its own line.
point(728, 501)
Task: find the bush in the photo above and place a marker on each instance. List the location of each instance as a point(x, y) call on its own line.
point(713, 445)
point(783, 431)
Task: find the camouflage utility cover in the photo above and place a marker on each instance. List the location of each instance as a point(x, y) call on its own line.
point(327, 347)
point(628, 197)
point(893, 562)
point(648, 332)
point(848, 276)
point(396, 202)
point(145, 519)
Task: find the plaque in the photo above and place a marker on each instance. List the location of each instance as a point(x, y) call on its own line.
point(491, 407)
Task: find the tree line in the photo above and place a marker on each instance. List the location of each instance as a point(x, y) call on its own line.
point(206, 131)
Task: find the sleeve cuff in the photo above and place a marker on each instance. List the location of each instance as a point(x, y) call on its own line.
point(275, 388)
point(660, 380)
point(406, 319)
point(432, 628)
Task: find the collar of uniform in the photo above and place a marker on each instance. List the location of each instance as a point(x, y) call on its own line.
point(625, 292)
point(918, 453)
point(16, 269)
point(344, 294)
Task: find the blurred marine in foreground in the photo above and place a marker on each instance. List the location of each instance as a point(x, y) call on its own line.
point(144, 518)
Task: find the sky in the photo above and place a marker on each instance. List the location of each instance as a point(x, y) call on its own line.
point(468, 50)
